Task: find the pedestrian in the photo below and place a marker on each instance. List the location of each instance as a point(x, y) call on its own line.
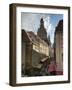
point(52, 68)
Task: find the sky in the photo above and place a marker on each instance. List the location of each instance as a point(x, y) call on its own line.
point(31, 22)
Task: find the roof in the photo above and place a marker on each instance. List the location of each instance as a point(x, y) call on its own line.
point(25, 37)
point(59, 27)
point(44, 59)
point(35, 38)
point(32, 37)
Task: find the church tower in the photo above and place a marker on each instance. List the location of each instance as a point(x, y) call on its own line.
point(42, 31)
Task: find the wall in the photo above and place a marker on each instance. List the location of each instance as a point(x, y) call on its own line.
point(4, 45)
point(59, 51)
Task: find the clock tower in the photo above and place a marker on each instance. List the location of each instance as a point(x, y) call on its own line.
point(42, 31)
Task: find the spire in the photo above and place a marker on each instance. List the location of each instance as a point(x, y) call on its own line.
point(41, 23)
point(42, 31)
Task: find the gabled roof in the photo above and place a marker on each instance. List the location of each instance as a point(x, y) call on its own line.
point(31, 37)
point(25, 37)
point(35, 38)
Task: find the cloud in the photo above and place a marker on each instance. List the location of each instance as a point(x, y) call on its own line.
point(31, 22)
point(47, 24)
point(49, 28)
point(52, 36)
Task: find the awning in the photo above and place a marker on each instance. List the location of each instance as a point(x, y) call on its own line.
point(38, 66)
point(44, 59)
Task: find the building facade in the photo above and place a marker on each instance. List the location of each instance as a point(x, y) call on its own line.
point(58, 46)
point(33, 50)
point(26, 48)
point(40, 49)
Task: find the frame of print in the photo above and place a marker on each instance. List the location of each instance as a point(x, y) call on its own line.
point(39, 44)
